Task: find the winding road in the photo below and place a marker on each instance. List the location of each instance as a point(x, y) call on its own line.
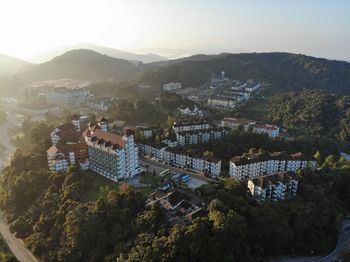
point(16, 245)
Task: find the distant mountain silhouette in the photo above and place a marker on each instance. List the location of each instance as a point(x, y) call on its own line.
point(10, 65)
point(81, 64)
point(112, 52)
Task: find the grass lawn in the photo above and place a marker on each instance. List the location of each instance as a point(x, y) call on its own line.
point(149, 179)
point(99, 186)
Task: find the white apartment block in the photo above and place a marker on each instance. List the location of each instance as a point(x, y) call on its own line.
point(67, 96)
point(222, 102)
point(172, 86)
point(271, 130)
point(199, 136)
point(274, 187)
point(207, 165)
point(99, 104)
point(234, 123)
point(243, 168)
point(111, 155)
point(180, 127)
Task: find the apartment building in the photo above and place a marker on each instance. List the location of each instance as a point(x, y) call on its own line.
point(193, 126)
point(172, 86)
point(110, 155)
point(207, 165)
point(61, 156)
point(99, 104)
point(65, 133)
point(274, 187)
point(200, 136)
point(234, 123)
point(271, 130)
point(245, 167)
point(68, 96)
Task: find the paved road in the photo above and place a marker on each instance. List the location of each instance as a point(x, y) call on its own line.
point(16, 245)
point(160, 167)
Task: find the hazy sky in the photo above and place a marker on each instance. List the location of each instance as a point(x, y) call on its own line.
point(315, 27)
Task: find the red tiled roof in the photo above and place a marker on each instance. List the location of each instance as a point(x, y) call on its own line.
point(114, 139)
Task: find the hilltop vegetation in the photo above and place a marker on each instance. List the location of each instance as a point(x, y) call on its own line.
point(81, 64)
point(314, 113)
point(284, 71)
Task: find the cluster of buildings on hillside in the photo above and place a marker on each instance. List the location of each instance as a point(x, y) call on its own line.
point(106, 153)
point(234, 123)
point(255, 165)
point(207, 165)
point(77, 97)
point(222, 92)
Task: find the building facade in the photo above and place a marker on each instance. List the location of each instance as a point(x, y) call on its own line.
point(243, 168)
point(112, 156)
point(209, 165)
point(272, 188)
point(67, 96)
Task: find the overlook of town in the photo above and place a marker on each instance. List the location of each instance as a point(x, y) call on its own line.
point(172, 154)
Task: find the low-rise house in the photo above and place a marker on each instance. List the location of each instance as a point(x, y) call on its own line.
point(245, 167)
point(273, 187)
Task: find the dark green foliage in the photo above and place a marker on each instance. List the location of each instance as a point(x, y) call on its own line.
point(313, 112)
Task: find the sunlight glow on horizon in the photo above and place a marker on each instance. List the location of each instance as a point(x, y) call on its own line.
point(314, 27)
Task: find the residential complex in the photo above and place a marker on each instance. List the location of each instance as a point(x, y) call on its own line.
point(200, 136)
point(207, 165)
point(172, 86)
point(234, 123)
point(68, 96)
point(99, 104)
point(193, 126)
point(274, 187)
point(254, 165)
point(111, 155)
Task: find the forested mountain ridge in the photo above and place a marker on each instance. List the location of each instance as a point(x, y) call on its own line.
point(286, 71)
point(81, 64)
